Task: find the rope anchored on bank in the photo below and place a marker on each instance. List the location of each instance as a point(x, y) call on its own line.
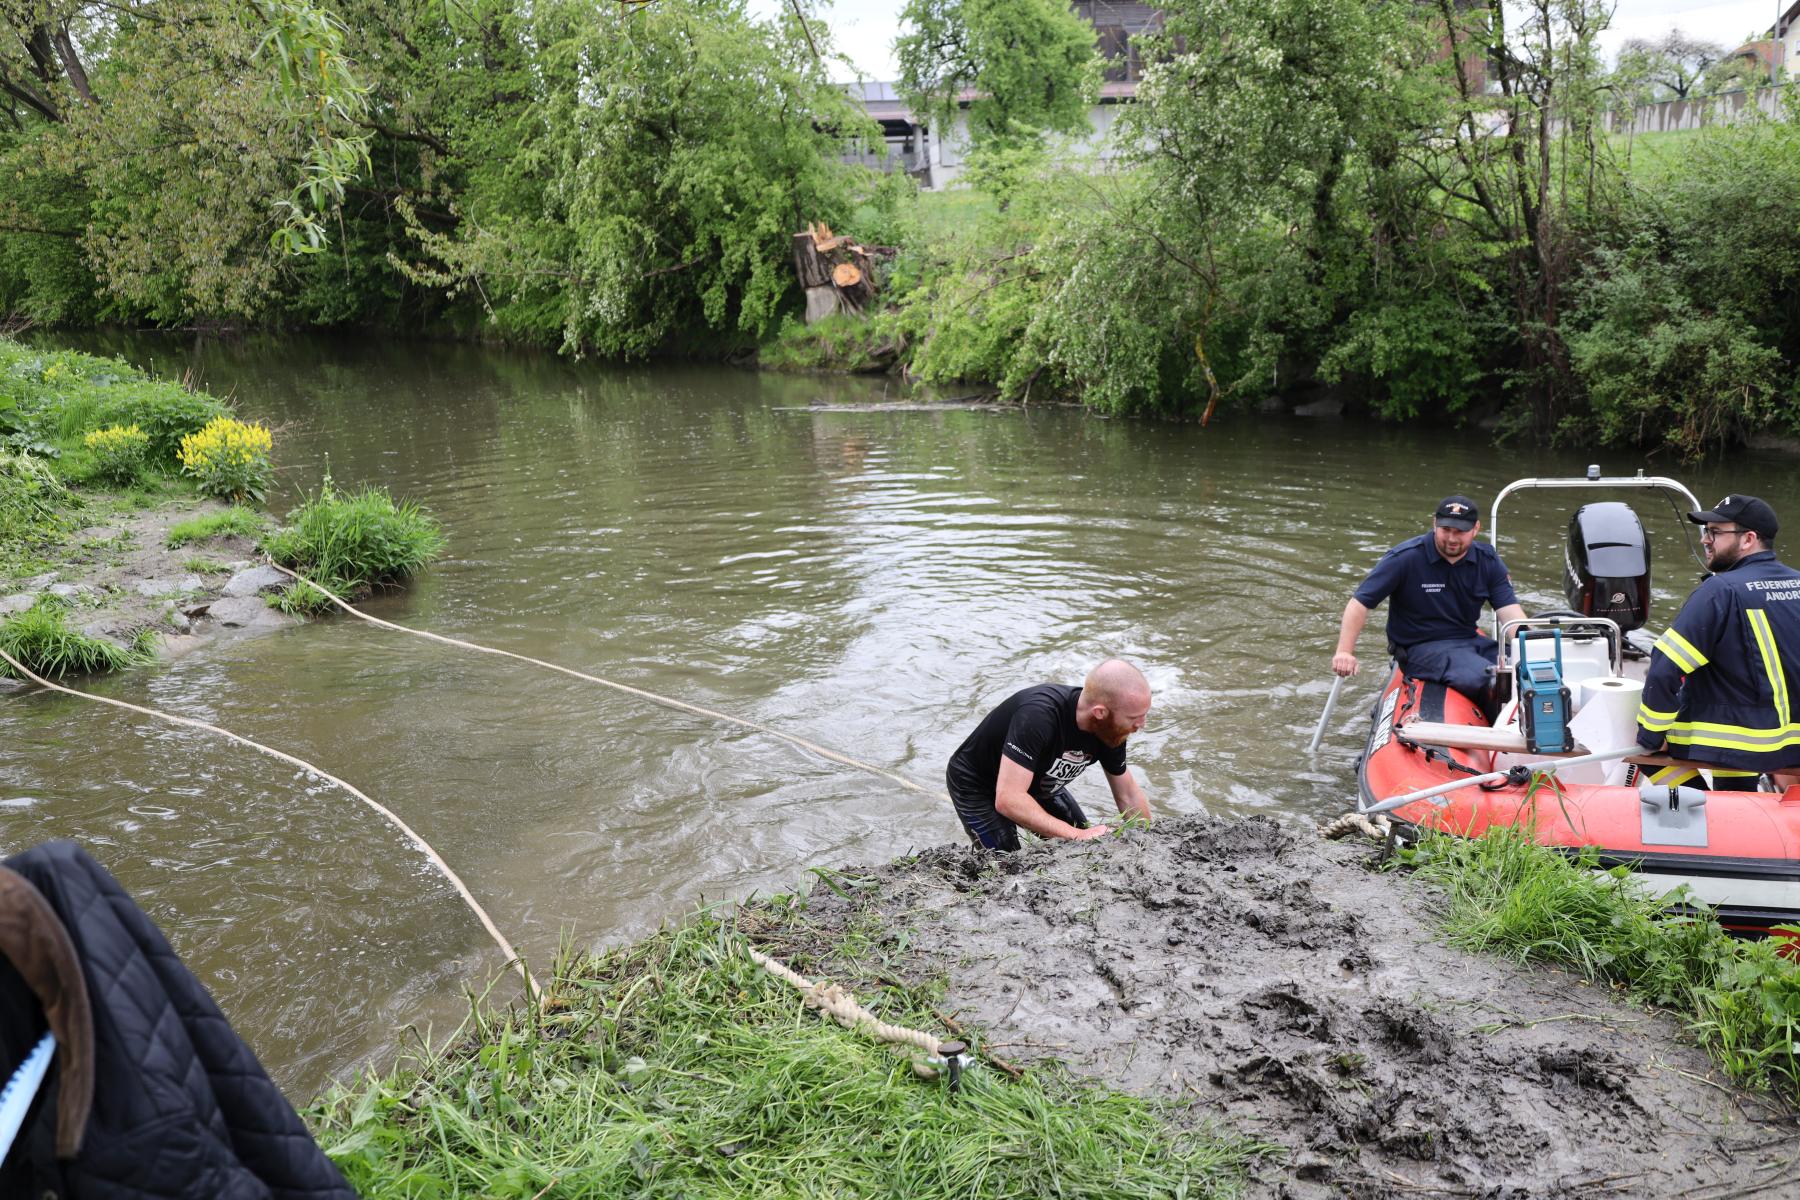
point(1353, 822)
point(841, 1006)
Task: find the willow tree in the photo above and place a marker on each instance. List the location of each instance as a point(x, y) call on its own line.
point(1233, 252)
point(206, 141)
point(1019, 66)
point(650, 199)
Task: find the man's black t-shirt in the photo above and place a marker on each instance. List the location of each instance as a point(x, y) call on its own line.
point(1036, 729)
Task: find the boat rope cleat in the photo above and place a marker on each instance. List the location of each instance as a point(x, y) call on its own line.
point(1672, 816)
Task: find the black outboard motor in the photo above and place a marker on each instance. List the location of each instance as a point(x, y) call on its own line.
point(1607, 568)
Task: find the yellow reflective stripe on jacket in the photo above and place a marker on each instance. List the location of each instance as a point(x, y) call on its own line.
point(1734, 737)
point(1655, 722)
point(1771, 657)
point(1681, 652)
point(1673, 776)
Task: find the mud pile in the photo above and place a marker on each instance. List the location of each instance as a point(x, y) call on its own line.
point(1277, 984)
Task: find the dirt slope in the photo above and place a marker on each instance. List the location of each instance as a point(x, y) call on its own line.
point(1272, 980)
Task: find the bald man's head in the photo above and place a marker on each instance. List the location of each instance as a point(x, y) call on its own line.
point(1115, 699)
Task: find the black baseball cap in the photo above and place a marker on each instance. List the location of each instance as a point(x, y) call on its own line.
point(1746, 512)
point(1457, 512)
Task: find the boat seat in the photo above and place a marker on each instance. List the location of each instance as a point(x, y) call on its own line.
point(1463, 737)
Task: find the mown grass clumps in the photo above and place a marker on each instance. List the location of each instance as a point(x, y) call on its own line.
point(34, 506)
point(351, 542)
point(42, 641)
point(677, 1067)
point(1511, 896)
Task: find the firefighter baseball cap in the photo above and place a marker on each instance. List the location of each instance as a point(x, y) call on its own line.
point(1747, 512)
point(1457, 512)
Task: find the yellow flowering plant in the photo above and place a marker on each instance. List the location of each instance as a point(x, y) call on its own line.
point(229, 458)
point(119, 452)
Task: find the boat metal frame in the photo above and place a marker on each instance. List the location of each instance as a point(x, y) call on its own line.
point(1593, 479)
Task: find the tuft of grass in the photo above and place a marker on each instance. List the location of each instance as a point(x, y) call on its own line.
point(205, 566)
point(1741, 999)
point(234, 520)
point(350, 542)
point(677, 1067)
point(40, 638)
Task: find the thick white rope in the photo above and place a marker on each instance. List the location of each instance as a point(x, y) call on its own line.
point(842, 1007)
point(1354, 822)
point(654, 698)
point(487, 922)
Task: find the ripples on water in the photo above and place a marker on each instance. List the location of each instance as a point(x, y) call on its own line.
point(869, 580)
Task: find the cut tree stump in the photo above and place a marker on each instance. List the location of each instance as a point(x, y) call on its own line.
point(835, 271)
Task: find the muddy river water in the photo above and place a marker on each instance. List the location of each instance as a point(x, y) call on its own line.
point(871, 579)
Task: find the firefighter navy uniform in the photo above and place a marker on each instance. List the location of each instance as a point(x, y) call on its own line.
point(1724, 678)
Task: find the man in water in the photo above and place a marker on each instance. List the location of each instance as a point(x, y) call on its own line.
point(1439, 582)
point(1723, 680)
point(1015, 768)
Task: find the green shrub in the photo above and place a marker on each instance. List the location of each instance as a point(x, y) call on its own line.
point(119, 452)
point(59, 396)
point(350, 543)
point(166, 412)
point(42, 641)
point(1660, 369)
point(838, 343)
point(240, 521)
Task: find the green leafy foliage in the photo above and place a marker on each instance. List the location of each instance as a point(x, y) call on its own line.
point(350, 542)
point(674, 150)
point(229, 459)
point(1659, 369)
point(61, 396)
point(1030, 65)
point(119, 453)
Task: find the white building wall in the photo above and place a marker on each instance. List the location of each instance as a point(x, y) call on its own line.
point(949, 153)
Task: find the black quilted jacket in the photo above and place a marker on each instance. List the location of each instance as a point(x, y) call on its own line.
point(181, 1107)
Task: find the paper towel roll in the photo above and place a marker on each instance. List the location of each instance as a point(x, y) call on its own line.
point(1606, 720)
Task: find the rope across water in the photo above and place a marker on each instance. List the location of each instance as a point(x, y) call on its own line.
point(424, 847)
point(640, 693)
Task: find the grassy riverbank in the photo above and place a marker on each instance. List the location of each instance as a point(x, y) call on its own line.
point(109, 481)
point(679, 1067)
point(1237, 1006)
point(1740, 999)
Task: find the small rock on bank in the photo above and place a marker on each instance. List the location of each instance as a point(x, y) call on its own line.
point(255, 581)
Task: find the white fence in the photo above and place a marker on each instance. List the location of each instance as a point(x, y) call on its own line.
point(1669, 115)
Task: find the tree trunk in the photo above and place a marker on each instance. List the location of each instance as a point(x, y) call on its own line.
point(835, 271)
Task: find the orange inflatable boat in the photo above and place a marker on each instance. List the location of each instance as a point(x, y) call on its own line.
point(1561, 759)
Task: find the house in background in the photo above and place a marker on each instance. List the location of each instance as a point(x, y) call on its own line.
point(936, 158)
point(1777, 52)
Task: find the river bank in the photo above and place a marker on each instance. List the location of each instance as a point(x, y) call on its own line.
point(117, 544)
point(161, 582)
point(1265, 994)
